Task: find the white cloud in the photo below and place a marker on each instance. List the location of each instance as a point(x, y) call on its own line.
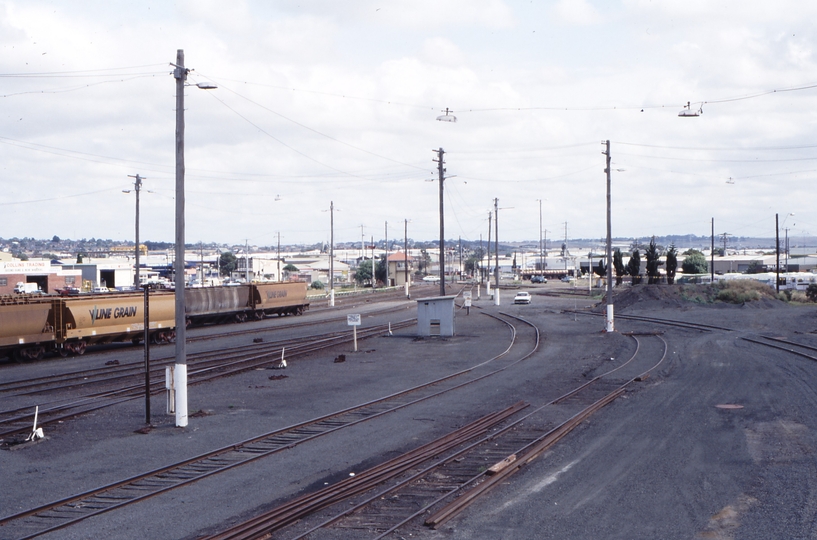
point(577, 12)
point(360, 89)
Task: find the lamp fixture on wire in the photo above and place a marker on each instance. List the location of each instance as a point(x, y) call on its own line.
point(447, 117)
point(687, 111)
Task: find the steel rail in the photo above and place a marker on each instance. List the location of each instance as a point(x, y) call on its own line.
point(534, 449)
point(81, 375)
point(285, 514)
point(311, 502)
point(552, 436)
point(287, 326)
point(781, 347)
point(238, 447)
point(50, 413)
point(668, 322)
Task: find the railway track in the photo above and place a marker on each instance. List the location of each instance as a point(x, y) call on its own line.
point(437, 481)
point(783, 344)
point(65, 512)
point(202, 367)
point(303, 320)
point(656, 320)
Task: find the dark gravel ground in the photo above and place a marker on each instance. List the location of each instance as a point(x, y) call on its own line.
point(660, 462)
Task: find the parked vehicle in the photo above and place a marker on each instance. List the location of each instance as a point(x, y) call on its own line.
point(538, 279)
point(26, 288)
point(522, 298)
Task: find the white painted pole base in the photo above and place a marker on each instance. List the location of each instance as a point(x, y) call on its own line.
point(180, 381)
point(331, 297)
point(496, 297)
point(488, 288)
point(170, 390)
point(610, 326)
point(407, 290)
point(478, 287)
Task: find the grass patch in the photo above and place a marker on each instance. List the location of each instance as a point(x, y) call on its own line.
point(730, 292)
point(742, 291)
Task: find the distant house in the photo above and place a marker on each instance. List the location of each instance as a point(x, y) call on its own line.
point(399, 268)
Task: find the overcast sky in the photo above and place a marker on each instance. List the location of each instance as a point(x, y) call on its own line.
point(330, 100)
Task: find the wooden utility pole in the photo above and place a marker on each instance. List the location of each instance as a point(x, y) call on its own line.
point(180, 368)
point(488, 267)
point(712, 254)
point(777, 253)
point(387, 254)
point(405, 250)
point(459, 268)
point(610, 322)
point(441, 177)
point(332, 253)
point(496, 244)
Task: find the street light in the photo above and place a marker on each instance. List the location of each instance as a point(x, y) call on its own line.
point(786, 242)
point(406, 255)
point(180, 369)
point(137, 186)
point(688, 112)
point(447, 117)
point(331, 253)
point(541, 250)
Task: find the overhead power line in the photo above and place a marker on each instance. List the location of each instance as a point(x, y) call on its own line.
point(81, 73)
point(315, 130)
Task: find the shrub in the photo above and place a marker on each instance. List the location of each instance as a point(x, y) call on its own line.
point(317, 285)
point(744, 290)
point(811, 292)
point(694, 263)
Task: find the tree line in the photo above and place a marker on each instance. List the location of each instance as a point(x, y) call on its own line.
point(694, 263)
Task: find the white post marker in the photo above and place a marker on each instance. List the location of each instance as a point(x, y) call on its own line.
point(496, 297)
point(353, 320)
point(610, 327)
point(467, 297)
point(331, 297)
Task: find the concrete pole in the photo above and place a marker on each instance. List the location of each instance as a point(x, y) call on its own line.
point(441, 175)
point(610, 319)
point(712, 252)
point(137, 187)
point(331, 253)
point(496, 249)
point(488, 269)
point(406, 256)
point(387, 254)
point(180, 368)
point(777, 253)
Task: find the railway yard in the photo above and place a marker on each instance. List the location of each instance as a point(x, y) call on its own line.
point(689, 421)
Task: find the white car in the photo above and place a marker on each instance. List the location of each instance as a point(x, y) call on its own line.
point(431, 278)
point(522, 298)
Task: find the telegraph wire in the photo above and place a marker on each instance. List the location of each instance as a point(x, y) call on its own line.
point(332, 94)
point(717, 160)
point(76, 73)
point(725, 149)
point(61, 197)
point(315, 130)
